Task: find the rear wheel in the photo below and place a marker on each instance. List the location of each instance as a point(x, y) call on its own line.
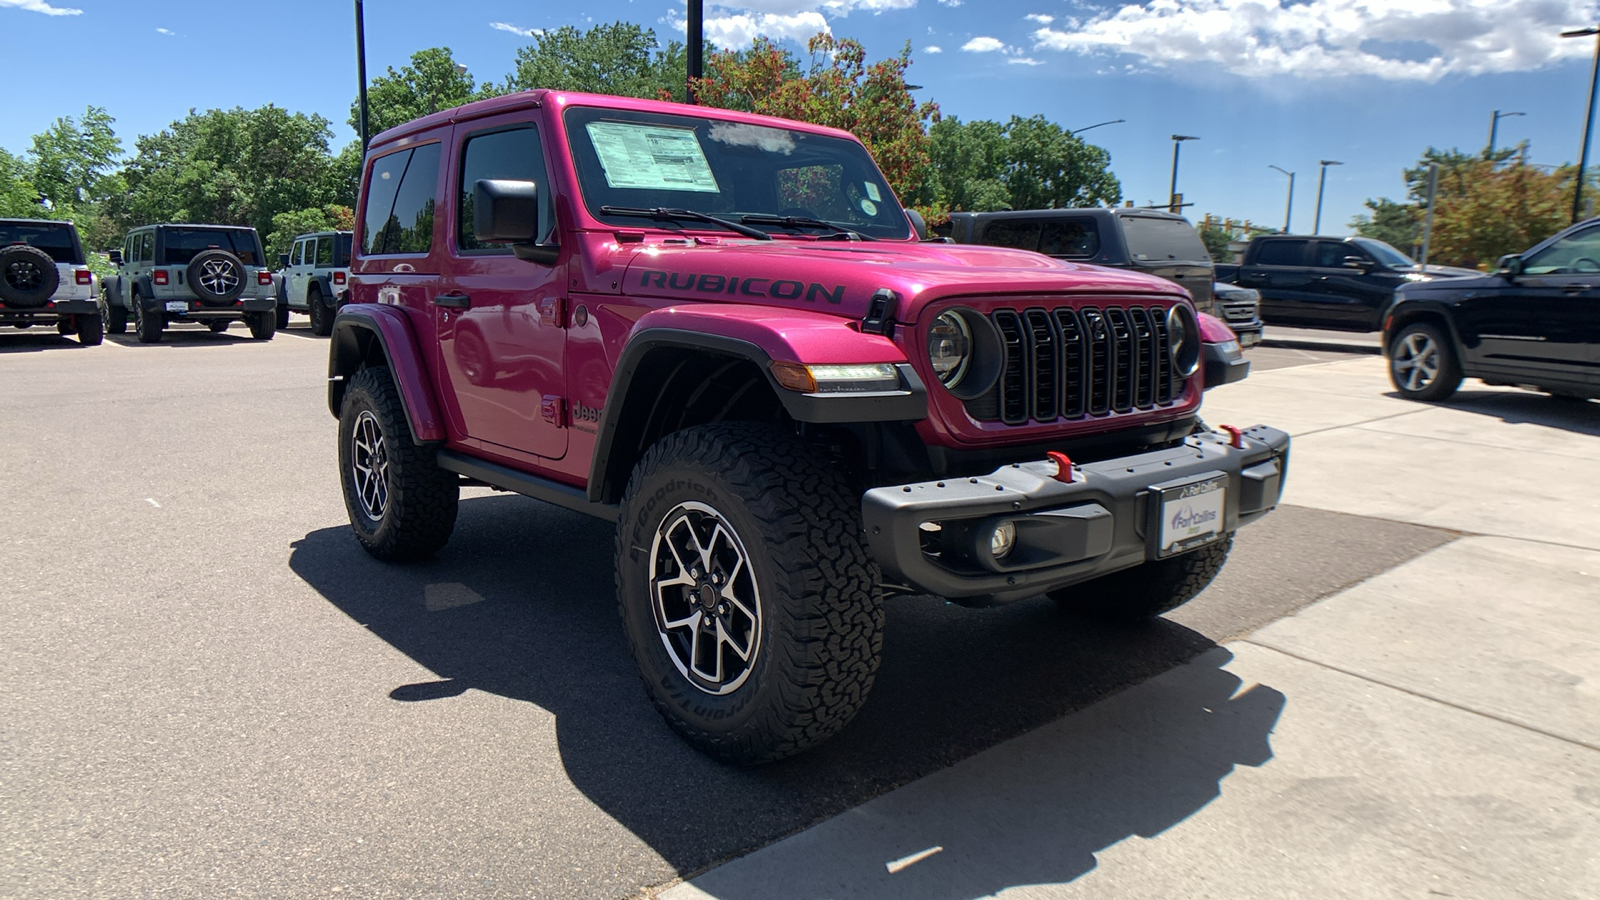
point(91, 331)
point(146, 323)
point(321, 315)
point(1423, 364)
point(1149, 590)
point(401, 504)
point(750, 605)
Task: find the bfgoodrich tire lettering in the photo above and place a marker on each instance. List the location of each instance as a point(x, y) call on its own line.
point(401, 504)
point(1148, 590)
point(809, 613)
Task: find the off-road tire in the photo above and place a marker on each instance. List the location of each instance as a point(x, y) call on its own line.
point(419, 512)
point(282, 313)
point(1146, 591)
point(217, 326)
point(321, 315)
point(116, 319)
point(263, 325)
point(820, 610)
point(28, 276)
point(147, 324)
point(215, 263)
point(91, 331)
point(1447, 370)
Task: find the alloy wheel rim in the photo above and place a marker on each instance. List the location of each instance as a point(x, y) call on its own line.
point(369, 466)
point(24, 275)
point(1416, 361)
point(705, 598)
point(218, 276)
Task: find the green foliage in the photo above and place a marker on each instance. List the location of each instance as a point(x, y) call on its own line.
point(1027, 163)
point(1397, 224)
point(74, 161)
point(431, 83)
point(621, 59)
point(286, 226)
point(1216, 240)
point(19, 199)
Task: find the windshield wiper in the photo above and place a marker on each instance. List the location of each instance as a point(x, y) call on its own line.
point(804, 222)
point(668, 214)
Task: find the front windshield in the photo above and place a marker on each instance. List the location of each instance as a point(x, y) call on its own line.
point(1385, 254)
point(728, 170)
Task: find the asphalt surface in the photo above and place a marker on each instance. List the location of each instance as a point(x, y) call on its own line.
point(214, 691)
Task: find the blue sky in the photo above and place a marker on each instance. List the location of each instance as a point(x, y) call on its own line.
point(1261, 82)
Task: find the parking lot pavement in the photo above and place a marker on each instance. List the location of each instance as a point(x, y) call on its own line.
point(215, 692)
point(1431, 731)
point(1321, 339)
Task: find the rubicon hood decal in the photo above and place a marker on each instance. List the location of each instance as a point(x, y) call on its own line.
point(736, 286)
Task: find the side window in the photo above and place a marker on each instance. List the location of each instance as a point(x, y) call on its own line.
point(1078, 238)
point(297, 253)
point(382, 185)
point(1282, 253)
point(1574, 253)
point(324, 251)
point(1330, 254)
point(411, 223)
point(515, 154)
point(147, 247)
point(1011, 233)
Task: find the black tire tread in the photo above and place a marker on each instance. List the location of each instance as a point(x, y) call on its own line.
point(263, 325)
point(321, 315)
point(1449, 377)
point(91, 331)
point(423, 496)
point(827, 656)
point(147, 325)
point(1149, 590)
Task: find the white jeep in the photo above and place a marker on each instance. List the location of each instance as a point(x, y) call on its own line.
point(316, 273)
point(43, 278)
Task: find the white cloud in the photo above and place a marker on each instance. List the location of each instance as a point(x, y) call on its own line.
point(1418, 40)
point(933, 48)
point(949, 2)
point(1041, 18)
point(1024, 61)
point(40, 6)
point(514, 29)
point(738, 30)
point(166, 31)
point(983, 45)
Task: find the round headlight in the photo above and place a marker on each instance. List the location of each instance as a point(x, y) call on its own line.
point(950, 348)
point(1183, 340)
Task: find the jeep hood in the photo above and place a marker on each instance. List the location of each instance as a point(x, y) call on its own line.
point(841, 276)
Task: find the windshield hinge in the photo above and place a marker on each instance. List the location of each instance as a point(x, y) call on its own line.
point(880, 312)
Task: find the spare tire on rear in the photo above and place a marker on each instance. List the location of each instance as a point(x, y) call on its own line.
point(216, 276)
point(28, 276)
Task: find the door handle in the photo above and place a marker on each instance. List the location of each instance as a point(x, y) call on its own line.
point(453, 301)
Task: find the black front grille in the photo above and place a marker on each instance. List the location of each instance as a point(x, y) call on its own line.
point(1069, 363)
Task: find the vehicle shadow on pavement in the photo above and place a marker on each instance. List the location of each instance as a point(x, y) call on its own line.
point(33, 340)
point(521, 605)
point(1527, 408)
point(198, 337)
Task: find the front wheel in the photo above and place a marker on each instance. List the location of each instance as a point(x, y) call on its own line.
point(1423, 364)
point(283, 315)
point(91, 331)
point(116, 319)
point(749, 602)
point(217, 326)
point(263, 325)
point(321, 315)
point(1149, 590)
point(401, 504)
point(147, 324)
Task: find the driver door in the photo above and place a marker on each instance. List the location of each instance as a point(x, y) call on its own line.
point(1541, 326)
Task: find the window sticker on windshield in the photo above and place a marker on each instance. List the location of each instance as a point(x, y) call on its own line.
point(872, 192)
point(651, 157)
point(868, 207)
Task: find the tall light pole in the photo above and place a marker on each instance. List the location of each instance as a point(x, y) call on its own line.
point(1494, 126)
point(1288, 206)
point(1322, 179)
point(361, 72)
point(1172, 192)
point(1097, 125)
point(697, 43)
point(1588, 122)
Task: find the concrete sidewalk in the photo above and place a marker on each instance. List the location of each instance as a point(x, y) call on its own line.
point(1433, 731)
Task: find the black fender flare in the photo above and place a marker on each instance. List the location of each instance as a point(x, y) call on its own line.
point(369, 333)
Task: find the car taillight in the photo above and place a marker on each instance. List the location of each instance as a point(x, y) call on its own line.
point(82, 276)
point(159, 276)
point(338, 278)
point(264, 277)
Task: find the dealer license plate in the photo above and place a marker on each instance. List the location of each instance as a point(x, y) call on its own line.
point(177, 306)
point(1192, 514)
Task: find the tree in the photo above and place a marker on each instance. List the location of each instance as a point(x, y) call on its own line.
point(74, 161)
point(18, 197)
point(621, 58)
point(1396, 224)
point(431, 83)
point(839, 90)
point(1027, 163)
point(286, 226)
point(967, 166)
point(1216, 240)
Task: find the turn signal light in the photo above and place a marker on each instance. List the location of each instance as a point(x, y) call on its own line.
point(264, 277)
point(159, 276)
point(81, 276)
point(338, 278)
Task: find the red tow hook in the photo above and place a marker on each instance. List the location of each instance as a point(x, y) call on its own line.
point(1235, 436)
point(1063, 465)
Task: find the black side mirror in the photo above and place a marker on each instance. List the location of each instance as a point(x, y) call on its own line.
point(918, 224)
point(1511, 265)
point(116, 257)
point(283, 260)
point(509, 212)
point(1357, 262)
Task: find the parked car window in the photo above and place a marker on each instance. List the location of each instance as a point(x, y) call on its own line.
point(56, 240)
point(1018, 233)
point(515, 154)
point(298, 253)
point(1579, 252)
point(409, 228)
point(1153, 238)
point(382, 186)
point(184, 244)
point(1331, 254)
point(147, 247)
point(1078, 238)
point(1385, 254)
point(342, 241)
point(324, 251)
point(1281, 253)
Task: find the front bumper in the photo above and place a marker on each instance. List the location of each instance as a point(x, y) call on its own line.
point(1106, 519)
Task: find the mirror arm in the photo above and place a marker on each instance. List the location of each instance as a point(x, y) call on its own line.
point(543, 254)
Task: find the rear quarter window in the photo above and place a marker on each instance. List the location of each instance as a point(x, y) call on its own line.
point(1281, 253)
point(1071, 238)
point(1156, 239)
point(402, 193)
point(1020, 235)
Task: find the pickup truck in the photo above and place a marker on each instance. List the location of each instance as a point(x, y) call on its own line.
point(1326, 282)
point(721, 332)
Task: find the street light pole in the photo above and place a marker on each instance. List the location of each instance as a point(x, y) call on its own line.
point(361, 72)
point(697, 42)
point(1172, 192)
point(1288, 206)
point(1494, 126)
point(1322, 179)
point(1588, 121)
point(1097, 125)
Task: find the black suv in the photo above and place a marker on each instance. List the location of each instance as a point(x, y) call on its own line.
point(43, 279)
point(215, 274)
point(1535, 323)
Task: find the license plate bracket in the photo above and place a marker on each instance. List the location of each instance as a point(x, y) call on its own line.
point(1188, 514)
point(177, 306)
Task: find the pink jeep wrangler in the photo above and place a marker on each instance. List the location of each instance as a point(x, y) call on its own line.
point(722, 332)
